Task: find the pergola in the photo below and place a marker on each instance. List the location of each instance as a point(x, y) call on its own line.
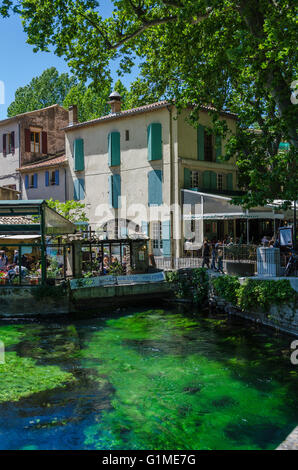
point(31, 219)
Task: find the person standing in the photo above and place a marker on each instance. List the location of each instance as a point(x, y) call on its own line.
point(206, 254)
point(213, 256)
point(220, 262)
point(3, 259)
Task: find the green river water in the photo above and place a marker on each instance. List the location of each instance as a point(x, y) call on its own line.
point(151, 379)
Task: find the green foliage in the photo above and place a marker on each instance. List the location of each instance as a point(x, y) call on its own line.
point(92, 103)
point(226, 287)
point(254, 293)
point(265, 293)
point(192, 285)
point(71, 210)
point(236, 54)
point(47, 89)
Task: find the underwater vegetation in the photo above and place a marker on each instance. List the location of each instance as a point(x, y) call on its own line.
point(151, 379)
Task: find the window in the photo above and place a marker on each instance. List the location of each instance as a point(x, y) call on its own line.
point(157, 235)
point(31, 181)
point(52, 178)
point(154, 141)
point(114, 148)
point(194, 179)
point(114, 190)
point(79, 189)
point(208, 147)
point(8, 143)
point(126, 135)
point(155, 188)
point(35, 142)
point(79, 160)
point(219, 182)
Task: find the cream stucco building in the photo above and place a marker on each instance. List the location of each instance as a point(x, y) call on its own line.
point(132, 166)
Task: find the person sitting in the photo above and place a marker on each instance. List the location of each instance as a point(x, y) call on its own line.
point(3, 259)
point(11, 273)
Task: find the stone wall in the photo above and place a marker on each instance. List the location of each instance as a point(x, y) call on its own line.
point(281, 317)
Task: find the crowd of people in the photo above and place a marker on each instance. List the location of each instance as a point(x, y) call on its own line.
point(10, 270)
point(216, 252)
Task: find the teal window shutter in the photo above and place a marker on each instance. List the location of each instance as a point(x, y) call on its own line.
point(114, 148)
point(81, 188)
point(47, 178)
point(200, 142)
point(79, 164)
point(123, 232)
point(111, 190)
point(206, 180)
point(144, 228)
point(155, 188)
point(76, 191)
point(154, 141)
point(116, 191)
point(213, 180)
point(218, 148)
point(166, 237)
point(187, 178)
point(230, 181)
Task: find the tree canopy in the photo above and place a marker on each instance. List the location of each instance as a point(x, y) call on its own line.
point(239, 55)
point(47, 89)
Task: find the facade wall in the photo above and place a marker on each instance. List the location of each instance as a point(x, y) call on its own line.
point(11, 161)
point(57, 192)
point(133, 169)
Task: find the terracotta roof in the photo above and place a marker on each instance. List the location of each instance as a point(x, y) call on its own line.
point(52, 161)
point(141, 109)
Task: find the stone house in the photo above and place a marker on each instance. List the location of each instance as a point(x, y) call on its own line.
point(29, 138)
point(147, 155)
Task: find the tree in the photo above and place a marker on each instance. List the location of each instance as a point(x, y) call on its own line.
point(91, 104)
point(234, 54)
point(47, 89)
point(71, 210)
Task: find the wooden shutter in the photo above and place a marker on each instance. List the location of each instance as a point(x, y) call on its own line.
point(116, 191)
point(27, 140)
point(4, 145)
point(154, 141)
point(81, 188)
point(114, 148)
point(187, 178)
point(111, 190)
point(12, 142)
point(155, 187)
point(213, 180)
point(47, 178)
point(57, 177)
point(218, 148)
point(206, 180)
point(26, 181)
point(201, 142)
point(35, 176)
point(79, 164)
point(166, 237)
point(230, 181)
point(44, 142)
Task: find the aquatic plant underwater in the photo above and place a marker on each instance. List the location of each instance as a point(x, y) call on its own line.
point(146, 380)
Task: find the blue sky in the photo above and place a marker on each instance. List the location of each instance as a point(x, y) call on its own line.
point(20, 64)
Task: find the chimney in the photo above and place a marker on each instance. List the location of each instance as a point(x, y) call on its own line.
point(73, 115)
point(115, 102)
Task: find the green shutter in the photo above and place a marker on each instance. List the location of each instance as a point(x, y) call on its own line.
point(187, 178)
point(206, 180)
point(218, 148)
point(114, 148)
point(230, 181)
point(155, 187)
point(116, 191)
point(213, 180)
point(81, 188)
point(200, 142)
point(76, 192)
point(111, 190)
point(154, 141)
point(79, 164)
point(166, 237)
